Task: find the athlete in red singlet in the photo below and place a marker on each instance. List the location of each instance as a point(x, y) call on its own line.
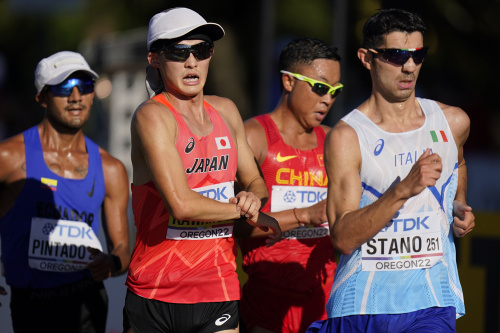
point(288, 285)
point(187, 150)
point(200, 255)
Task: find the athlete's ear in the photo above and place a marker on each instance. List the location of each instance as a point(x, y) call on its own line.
point(366, 58)
point(41, 98)
point(287, 81)
point(154, 59)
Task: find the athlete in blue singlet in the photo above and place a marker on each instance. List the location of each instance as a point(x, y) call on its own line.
point(54, 182)
point(396, 194)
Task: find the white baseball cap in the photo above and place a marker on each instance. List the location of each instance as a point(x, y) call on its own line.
point(56, 68)
point(176, 22)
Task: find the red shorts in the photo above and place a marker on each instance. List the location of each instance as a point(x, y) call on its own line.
point(279, 310)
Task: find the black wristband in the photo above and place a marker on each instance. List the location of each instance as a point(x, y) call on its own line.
point(117, 263)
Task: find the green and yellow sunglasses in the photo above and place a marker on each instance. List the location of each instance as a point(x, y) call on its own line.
point(318, 87)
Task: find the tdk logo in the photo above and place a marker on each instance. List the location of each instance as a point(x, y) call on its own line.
point(47, 228)
point(289, 196)
point(68, 231)
point(379, 147)
point(311, 196)
point(406, 224)
point(216, 193)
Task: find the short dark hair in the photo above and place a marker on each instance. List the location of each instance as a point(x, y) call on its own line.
point(303, 51)
point(386, 21)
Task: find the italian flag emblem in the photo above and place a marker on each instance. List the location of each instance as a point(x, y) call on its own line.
point(439, 136)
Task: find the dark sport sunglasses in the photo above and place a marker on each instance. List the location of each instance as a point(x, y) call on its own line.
point(318, 87)
point(181, 52)
point(401, 56)
point(65, 88)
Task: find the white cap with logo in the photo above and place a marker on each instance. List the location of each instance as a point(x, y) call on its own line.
point(176, 22)
point(56, 68)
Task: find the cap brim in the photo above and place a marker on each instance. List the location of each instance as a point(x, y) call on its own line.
point(64, 75)
point(212, 30)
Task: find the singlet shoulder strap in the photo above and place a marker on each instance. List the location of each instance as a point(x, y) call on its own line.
point(272, 133)
point(320, 133)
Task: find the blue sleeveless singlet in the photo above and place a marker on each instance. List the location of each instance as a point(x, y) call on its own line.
point(49, 196)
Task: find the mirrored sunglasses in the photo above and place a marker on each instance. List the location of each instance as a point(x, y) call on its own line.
point(65, 88)
point(318, 87)
point(181, 52)
point(400, 56)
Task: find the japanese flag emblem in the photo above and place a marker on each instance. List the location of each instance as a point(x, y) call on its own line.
point(222, 143)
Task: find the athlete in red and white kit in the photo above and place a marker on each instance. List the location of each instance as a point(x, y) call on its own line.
point(187, 150)
point(288, 284)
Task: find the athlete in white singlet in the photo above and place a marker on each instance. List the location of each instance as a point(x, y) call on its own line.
point(396, 194)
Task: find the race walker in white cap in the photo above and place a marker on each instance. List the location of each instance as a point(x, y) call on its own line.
point(54, 182)
point(55, 69)
point(187, 151)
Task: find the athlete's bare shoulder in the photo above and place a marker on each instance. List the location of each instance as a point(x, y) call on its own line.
point(326, 128)
point(110, 162)
point(227, 109)
point(253, 127)
point(151, 108)
point(342, 131)
point(12, 157)
point(221, 104)
point(153, 118)
point(342, 144)
point(458, 120)
point(256, 138)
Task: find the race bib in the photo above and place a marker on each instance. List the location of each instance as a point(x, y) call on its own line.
point(410, 241)
point(198, 230)
point(60, 245)
point(289, 197)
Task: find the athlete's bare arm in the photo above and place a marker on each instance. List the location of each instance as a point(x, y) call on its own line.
point(288, 219)
point(248, 174)
point(155, 157)
point(12, 175)
point(115, 221)
point(12, 171)
point(459, 122)
point(350, 227)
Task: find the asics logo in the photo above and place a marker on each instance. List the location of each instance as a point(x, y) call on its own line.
point(225, 317)
point(280, 158)
point(379, 147)
point(190, 146)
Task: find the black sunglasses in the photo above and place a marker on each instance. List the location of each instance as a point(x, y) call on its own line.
point(65, 88)
point(181, 52)
point(401, 56)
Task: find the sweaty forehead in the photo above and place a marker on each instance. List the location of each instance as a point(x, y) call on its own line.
point(190, 42)
point(403, 40)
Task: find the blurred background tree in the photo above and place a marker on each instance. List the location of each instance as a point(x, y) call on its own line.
point(460, 69)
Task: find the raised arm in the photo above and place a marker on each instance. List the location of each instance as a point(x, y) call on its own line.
point(350, 227)
point(153, 124)
point(248, 174)
point(287, 219)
